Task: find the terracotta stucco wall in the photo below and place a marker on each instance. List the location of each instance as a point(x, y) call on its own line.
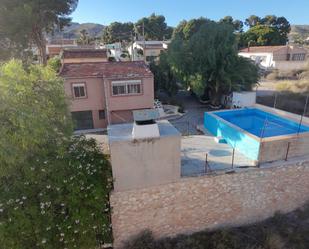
point(94, 102)
point(194, 204)
point(132, 102)
point(120, 106)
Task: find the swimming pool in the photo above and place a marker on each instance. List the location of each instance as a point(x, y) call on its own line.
point(255, 132)
point(261, 123)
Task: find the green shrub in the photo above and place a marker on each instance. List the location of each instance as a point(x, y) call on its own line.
point(54, 188)
point(58, 201)
point(54, 63)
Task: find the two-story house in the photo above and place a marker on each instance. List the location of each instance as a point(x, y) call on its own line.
point(105, 93)
point(276, 57)
point(147, 50)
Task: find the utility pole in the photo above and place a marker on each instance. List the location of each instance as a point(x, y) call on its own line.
point(132, 49)
point(144, 41)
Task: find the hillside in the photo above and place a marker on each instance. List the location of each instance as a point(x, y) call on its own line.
point(73, 31)
point(301, 31)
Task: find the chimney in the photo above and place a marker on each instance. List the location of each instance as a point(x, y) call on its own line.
point(145, 125)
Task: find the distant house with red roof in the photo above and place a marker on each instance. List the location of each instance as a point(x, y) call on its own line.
point(78, 55)
point(103, 93)
point(285, 57)
point(55, 46)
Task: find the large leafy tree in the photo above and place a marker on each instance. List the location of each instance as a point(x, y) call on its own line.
point(208, 62)
point(252, 21)
point(164, 78)
point(154, 27)
point(53, 188)
point(118, 32)
point(262, 35)
point(270, 30)
point(281, 24)
point(186, 29)
point(25, 23)
point(236, 24)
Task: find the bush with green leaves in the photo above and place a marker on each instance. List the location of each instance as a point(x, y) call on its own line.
point(59, 201)
point(34, 116)
point(55, 63)
point(53, 186)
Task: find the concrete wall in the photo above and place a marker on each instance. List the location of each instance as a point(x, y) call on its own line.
point(280, 148)
point(268, 58)
point(193, 204)
point(290, 65)
point(278, 58)
point(145, 162)
point(152, 52)
point(276, 148)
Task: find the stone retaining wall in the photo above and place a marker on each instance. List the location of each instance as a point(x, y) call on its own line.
point(193, 204)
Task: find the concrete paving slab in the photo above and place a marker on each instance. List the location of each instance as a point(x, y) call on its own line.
point(219, 156)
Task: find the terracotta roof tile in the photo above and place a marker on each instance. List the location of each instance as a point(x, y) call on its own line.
point(115, 70)
point(54, 50)
point(62, 42)
point(261, 49)
point(84, 53)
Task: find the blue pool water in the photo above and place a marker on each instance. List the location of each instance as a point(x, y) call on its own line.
point(260, 123)
point(255, 121)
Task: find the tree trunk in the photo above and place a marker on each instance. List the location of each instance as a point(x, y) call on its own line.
point(216, 94)
point(40, 42)
point(216, 98)
point(42, 52)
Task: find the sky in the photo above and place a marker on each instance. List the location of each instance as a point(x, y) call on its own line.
point(107, 11)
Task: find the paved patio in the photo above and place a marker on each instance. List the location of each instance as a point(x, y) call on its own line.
point(193, 156)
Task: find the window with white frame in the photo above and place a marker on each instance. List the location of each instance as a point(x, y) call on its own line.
point(128, 87)
point(79, 90)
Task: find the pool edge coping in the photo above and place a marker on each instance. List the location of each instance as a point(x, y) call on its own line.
point(260, 139)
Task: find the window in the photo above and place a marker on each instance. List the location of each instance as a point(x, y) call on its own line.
point(129, 87)
point(134, 88)
point(298, 57)
point(101, 114)
point(79, 90)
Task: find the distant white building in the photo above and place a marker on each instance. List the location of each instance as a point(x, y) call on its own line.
point(113, 50)
point(276, 57)
point(147, 50)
